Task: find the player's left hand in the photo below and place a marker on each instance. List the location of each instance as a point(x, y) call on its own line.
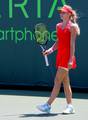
point(70, 65)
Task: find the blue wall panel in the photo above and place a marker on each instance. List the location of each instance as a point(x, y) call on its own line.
point(21, 61)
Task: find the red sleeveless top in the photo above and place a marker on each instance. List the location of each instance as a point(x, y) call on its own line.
point(63, 54)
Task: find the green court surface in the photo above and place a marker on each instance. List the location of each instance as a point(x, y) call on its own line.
point(21, 105)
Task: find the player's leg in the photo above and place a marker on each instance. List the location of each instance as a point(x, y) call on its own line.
point(67, 89)
point(57, 84)
point(68, 94)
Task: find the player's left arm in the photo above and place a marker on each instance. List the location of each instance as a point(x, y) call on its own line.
point(72, 42)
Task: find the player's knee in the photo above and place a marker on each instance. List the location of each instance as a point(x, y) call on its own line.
point(60, 75)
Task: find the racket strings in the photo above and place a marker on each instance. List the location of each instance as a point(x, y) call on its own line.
point(41, 33)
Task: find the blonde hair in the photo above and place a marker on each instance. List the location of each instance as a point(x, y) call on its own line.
point(73, 18)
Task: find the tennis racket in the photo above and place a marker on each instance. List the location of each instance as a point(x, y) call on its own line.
point(41, 35)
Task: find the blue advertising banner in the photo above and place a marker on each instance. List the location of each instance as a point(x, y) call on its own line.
point(21, 60)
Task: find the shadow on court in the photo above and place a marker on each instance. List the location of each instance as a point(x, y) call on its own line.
point(40, 115)
point(43, 115)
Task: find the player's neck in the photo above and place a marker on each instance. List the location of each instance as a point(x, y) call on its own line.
point(65, 22)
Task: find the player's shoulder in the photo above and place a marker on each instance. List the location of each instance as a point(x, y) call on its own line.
point(74, 25)
point(75, 28)
point(58, 25)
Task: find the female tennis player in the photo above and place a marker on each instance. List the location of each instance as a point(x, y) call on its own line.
point(67, 31)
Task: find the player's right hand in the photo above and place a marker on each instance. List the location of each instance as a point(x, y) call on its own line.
point(46, 52)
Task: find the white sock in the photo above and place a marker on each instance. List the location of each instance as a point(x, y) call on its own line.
point(70, 105)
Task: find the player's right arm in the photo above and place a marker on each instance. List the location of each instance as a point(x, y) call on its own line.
point(53, 48)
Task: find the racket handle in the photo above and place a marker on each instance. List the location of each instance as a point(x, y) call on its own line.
point(46, 60)
point(45, 56)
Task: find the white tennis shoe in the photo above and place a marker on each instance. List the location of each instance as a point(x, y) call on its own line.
point(69, 110)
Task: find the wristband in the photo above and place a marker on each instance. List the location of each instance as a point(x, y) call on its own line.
point(50, 50)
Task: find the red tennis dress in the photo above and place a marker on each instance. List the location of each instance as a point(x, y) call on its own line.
point(63, 53)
